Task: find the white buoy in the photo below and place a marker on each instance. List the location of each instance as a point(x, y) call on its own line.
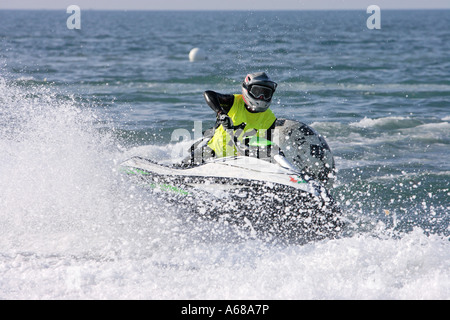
point(197, 54)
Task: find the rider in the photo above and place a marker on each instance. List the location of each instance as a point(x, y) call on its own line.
point(242, 116)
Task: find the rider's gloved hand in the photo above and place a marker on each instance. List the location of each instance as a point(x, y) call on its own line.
point(225, 121)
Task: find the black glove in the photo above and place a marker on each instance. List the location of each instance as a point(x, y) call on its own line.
point(225, 121)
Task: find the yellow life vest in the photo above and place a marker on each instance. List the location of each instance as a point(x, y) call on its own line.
point(255, 124)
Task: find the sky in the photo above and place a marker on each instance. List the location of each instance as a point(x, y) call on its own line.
point(224, 4)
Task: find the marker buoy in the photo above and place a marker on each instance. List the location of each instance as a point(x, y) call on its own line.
point(197, 54)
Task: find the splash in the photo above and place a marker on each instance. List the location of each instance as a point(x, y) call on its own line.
point(60, 190)
point(73, 228)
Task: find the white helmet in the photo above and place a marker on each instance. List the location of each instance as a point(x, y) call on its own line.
point(257, 91)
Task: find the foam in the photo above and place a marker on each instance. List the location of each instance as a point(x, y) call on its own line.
point(386, 121)
point(361, 267)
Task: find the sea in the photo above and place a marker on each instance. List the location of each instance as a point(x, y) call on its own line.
point(75, 103)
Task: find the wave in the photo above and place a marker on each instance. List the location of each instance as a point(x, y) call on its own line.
point(385, 129)
point(387, 122)
point(293, 85)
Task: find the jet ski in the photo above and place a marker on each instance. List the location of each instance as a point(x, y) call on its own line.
point(275, 190)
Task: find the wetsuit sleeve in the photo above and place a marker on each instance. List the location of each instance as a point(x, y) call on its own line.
point(220, 103)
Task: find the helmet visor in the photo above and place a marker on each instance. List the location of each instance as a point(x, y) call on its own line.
point(261, 92)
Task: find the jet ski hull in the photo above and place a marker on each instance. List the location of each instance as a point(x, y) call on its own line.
point(274, 205)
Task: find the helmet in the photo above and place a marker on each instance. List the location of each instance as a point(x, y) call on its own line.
point(257, 91)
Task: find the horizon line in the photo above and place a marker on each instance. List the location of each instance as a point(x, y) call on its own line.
point(235, 10)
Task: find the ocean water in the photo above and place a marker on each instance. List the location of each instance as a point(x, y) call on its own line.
point(75, 103)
